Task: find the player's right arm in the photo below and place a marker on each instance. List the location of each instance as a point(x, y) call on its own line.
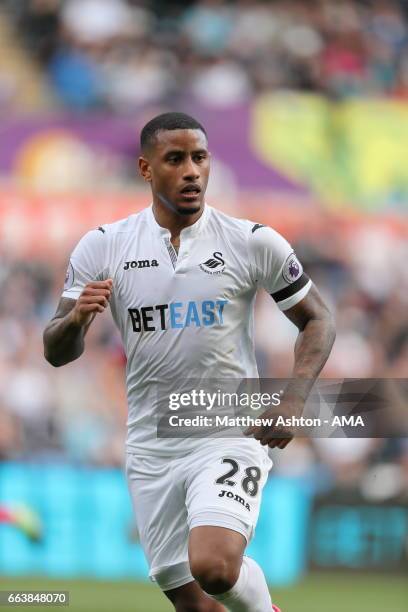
point(87, 291)
point(65, 333)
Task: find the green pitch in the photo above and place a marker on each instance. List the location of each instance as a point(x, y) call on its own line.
point(316, 593)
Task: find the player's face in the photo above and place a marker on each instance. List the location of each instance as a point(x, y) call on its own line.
point(178, 166)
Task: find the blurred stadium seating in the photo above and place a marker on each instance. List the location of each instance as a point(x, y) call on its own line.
point(119, 54)
point(305, 104)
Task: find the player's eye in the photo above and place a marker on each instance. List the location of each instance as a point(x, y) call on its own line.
point(200, 157)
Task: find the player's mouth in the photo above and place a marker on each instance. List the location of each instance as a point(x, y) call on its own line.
point(190, 192)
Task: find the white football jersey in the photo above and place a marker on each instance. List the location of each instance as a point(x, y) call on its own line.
point(186, 315)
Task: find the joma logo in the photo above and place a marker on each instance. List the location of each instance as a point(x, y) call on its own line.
point(235, 497)
point(141, 263)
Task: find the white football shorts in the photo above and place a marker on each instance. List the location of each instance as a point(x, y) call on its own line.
point(220, 484)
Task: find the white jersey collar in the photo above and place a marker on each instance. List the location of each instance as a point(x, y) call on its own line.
point(187, 232)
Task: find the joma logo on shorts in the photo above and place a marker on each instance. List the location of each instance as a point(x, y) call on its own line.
point(141, 263)
point(236, 497)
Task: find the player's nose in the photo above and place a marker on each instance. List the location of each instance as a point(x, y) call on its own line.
point(191, 171)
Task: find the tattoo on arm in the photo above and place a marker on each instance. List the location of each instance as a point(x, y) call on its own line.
point(314, 342)
point(63, 340)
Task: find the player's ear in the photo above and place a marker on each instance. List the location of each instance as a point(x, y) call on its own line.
point(144, 169)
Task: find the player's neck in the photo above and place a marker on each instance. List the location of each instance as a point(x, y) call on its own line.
point(173, 221)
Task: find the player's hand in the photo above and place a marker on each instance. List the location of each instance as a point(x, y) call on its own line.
point(93, 299)
point(277, 436)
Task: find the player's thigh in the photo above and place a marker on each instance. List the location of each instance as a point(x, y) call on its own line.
point(224, 485)
point(216, 543)
point(215, 555)
point(158, 499)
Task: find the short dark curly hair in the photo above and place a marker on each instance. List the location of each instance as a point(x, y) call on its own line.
point(167, 121)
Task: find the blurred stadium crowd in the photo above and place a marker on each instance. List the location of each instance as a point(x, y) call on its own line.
point(120, 54)
point(116, 55)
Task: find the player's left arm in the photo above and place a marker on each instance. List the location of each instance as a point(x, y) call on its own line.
point(276, 268)
point(316, 336)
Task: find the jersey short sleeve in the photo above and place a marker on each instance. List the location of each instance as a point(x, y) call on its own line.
point(276, 268)
point(87, 263)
